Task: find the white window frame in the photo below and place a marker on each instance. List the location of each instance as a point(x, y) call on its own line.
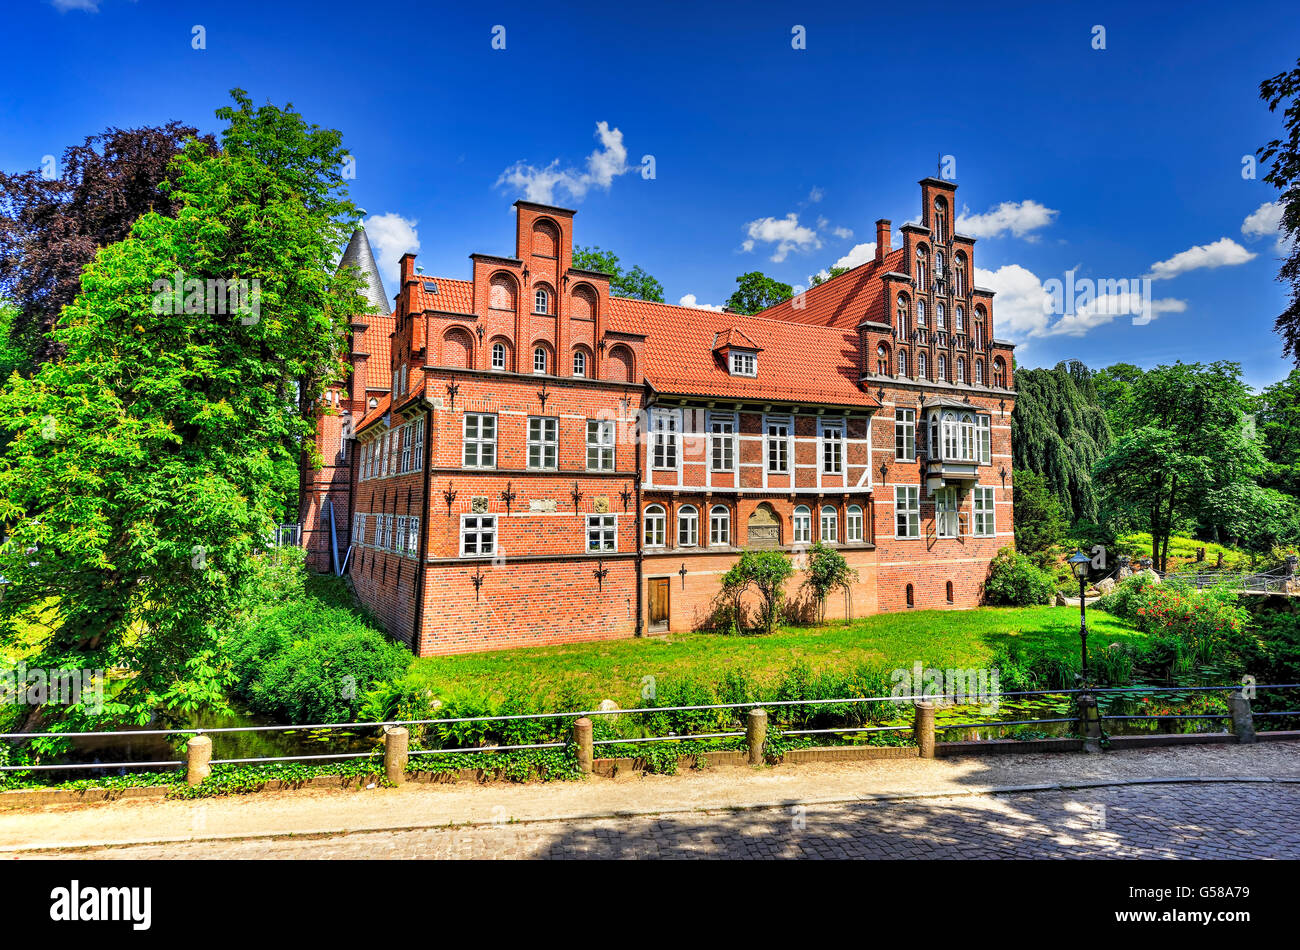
point(656, 526)
point(602, 533)
point(417, 444)
point(665, 430)
point(777, 444)
point(801, 525)
point(547, 437)
point(498, 349)
point(831, 434)
point(413, 536)
point(722, 442)
point(853, 524)
point(600, 445)
point(400, 536)
point(907, 511)
point(579, 364)
point(984, 433)
point(744, 363)
point(947, 504)
point(688, 525)
point(720, 525)
point(542, 301)
point(539, 353)
point(828, 523)
point(983, 511)
point(478, 526)
point(405, 433)
point(478, 442)
point(904, 434)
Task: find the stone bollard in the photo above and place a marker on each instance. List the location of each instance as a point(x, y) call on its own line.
point(756, 734)
point(1243, 722)
point(582, 739)
point(923, 729)
point(198, 753)
point(1091, 722)
point(396, 742)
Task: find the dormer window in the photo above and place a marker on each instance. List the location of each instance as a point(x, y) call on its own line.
point(743, 364)
point(542, 301)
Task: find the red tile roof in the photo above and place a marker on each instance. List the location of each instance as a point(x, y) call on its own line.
point(799, 363)
point(456, 296)
point(843, 301)
point(376, 341)
point(376, 413)
point(734, 337)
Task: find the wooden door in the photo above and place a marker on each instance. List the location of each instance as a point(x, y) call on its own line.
point(658, 602)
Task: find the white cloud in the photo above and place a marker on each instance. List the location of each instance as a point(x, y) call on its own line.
point(1018, 217)
point(1225, 252)
point(1106, 308)
point(815, 195)
point(1021, 306)
point(603, 165)
point(1266, 221)
point(391, 236)
point(786, 233)
point(688, 300)
point(63, 6)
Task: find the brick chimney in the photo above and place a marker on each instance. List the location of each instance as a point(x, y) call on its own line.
point(882, 239)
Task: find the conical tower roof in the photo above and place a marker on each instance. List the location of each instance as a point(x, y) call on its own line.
point(359, 255)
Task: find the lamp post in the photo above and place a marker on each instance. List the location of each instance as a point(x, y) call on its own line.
point(1079, 564)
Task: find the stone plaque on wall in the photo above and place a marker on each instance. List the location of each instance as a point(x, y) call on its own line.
point(478, 503)
point(541, 504)
point(763, 529)
point(602, 503)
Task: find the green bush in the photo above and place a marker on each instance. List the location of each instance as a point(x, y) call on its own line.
point(1015, 581)
point(302, 662)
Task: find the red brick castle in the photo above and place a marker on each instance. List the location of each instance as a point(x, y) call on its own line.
point(521, 458)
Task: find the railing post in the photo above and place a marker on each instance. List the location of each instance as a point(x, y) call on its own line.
point(396, 742)
point(1243, 722)
point(756, 734)
point(923, 729)
point(198, 755)
point(1091, 716)
point(582, 739)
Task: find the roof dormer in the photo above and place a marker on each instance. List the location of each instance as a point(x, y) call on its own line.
point(739, 353)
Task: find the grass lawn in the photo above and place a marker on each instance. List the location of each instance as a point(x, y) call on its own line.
point(614, 669)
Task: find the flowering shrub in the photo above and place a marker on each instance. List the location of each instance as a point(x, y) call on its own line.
point(1191, 627)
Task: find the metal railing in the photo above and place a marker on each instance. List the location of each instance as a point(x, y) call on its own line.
point(898, 701)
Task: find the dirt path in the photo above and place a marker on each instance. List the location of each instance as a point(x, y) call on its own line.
point(427, 806)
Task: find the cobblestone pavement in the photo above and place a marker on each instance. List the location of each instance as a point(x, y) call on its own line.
point(1222, 820)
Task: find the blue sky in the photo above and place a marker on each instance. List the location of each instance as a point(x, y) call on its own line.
point(1117, 163)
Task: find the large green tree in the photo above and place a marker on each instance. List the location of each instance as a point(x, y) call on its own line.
point(53, 219)
point(757, 291)
point(1185, 435)
point(1283, 92)
point(1277, 420)
point(147, 465)
point(623, 282)
point(1059, 431)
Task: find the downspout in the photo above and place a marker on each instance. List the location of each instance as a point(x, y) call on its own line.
point(424, 531)
point(640, 534)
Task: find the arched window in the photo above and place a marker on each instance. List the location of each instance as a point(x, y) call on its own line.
point(902, 362)
point(655, 522)
point(961, 369)
point(968, 436)
point(960, 276)
point(853, 524)
point(911, 596)
point(882, 360)
point(498, 356)
point(542, 300)
point(579, 363)
point(501, 295)
point(920, 313)
point(951, 436)
point(948, 591)
point(830, 524)
point(940, 317)
point(802, 525)
point(539, 360)
point(938, 265)
point(618, 365)
point(959, 319)
point(921, 366)
point(920, 268)
point(999, 373)
point(940, 219)
point(979, 372)
point(902, 318)
point(688, 527)
point(719, 525)
point(943, 369)
point(977, 332)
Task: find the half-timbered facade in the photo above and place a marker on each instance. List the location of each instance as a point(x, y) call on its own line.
point(522, 458)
